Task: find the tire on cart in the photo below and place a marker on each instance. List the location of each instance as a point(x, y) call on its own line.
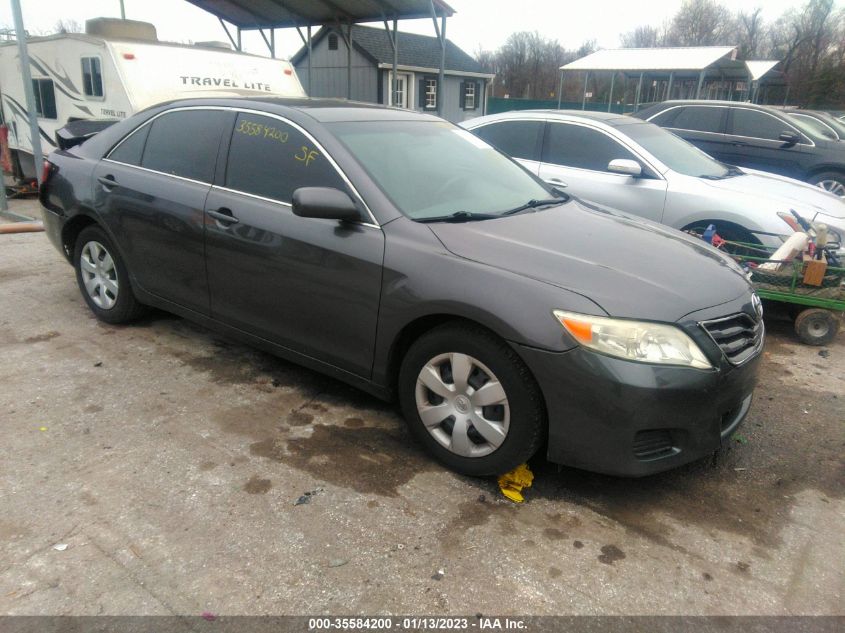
point(816, 326)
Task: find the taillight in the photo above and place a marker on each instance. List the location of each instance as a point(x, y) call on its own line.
point(47, 171)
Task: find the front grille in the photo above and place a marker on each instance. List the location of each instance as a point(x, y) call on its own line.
point(653, 444)
point(738, 336)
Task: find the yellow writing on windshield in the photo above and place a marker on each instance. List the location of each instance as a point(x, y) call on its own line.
point(307, 155)
point(251, 128)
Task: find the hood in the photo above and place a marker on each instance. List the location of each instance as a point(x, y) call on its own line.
point(782, 194)
point(630, 267)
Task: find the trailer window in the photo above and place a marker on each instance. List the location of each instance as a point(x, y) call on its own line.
point(92, 76)
point(45, 98)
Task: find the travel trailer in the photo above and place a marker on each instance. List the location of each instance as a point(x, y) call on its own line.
point(114, 69)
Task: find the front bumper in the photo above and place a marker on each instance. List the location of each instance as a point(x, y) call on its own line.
point(618, 417)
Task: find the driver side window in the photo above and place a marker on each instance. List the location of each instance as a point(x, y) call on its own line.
point(571, 145)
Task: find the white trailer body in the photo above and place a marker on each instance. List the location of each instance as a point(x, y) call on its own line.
point(78, 76)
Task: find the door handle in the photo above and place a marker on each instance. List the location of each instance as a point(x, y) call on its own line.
point(108, 182)
point(740, 144)
point(223, 215)
point(557, 182)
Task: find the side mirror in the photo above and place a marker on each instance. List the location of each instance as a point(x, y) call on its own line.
point(625, 166)
point(790, 138)
point(324, 203)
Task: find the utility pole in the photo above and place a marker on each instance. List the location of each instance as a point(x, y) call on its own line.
point(26, 77)
point(122, 11)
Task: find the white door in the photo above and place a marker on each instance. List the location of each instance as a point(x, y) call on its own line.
point(576, 157)
point(403, 88)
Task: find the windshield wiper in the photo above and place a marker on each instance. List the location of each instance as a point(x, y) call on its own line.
point(459, 216)
point(533, 204)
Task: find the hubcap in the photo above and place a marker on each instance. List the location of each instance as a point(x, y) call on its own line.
point(832, 186)
point(818, 328)
point(462, 405)
point(99, 275)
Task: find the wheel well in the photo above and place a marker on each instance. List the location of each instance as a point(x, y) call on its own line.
point(730, 226)
point(832, 169)
point(413, 331)
point(71, 231)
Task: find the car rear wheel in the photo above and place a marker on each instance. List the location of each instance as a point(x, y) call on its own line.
point(471, 401)
point(103, 279)
point(831, 181)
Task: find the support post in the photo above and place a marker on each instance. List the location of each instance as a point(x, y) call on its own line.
point(560, 90)
point(639, 92)
point(394, 43)
point(26, 77)
point(310, 64)
point(122, 11)
point(669, 87)
point(349, 61)
point(584, 97)
point(610, 97)
point(273, 43)
point(700, 84)
point(394, 82)
point(441, 35)
point(240, 40)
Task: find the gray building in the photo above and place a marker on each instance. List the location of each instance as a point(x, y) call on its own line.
point(465, 84)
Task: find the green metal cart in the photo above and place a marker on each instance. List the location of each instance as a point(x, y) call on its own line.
point(818, 309)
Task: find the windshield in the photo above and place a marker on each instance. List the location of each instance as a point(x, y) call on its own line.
point(675, 152)
point(431, 169)
point(820, 129)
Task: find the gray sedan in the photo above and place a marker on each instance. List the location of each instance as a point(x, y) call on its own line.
point(642, 169)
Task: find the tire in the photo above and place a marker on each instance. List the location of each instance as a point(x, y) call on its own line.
point(516, 424)
point(816, 326)
point(832, 181)
point(103, 278)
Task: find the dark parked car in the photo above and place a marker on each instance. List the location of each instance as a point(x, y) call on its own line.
point(407, 257)
point(756, 137)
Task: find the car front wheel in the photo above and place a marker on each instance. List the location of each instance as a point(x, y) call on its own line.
point(470, 399)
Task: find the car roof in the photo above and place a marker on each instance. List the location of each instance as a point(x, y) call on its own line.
point(612, 119)
point(322, 110)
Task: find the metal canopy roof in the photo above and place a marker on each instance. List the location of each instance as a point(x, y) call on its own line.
point(759, 68)
point(643, 59)
point(278, 14)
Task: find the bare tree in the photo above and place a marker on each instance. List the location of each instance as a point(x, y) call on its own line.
point(700, 23)
point(645, 36)
point(749, 33)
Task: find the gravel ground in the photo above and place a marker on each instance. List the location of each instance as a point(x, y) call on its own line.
point(155, 469)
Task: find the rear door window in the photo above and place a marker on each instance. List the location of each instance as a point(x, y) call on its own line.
point(758, 125)
point(271, 159)
point(131, 149)
point(578, 146)
point(185, 143)
point(700, 119)
point(519, 139)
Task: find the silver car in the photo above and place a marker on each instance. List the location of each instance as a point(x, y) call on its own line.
point(642, 169)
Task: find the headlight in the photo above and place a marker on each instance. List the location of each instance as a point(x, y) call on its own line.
point(634, 340)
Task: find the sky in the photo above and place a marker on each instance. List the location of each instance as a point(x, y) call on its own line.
point(476, 23)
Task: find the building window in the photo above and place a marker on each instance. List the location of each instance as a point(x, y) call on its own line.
point(430, 94)
point(92, 77)
point(332, 41)
point(469, 95)
point(45, 98)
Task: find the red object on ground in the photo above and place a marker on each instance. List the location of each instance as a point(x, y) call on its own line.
point(717, 241)
point(5, 153)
